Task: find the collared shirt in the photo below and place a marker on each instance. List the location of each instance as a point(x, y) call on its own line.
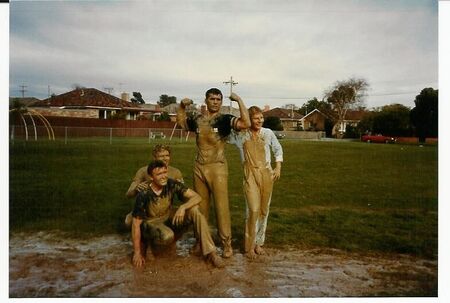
point(150, 205)
point(266, 137)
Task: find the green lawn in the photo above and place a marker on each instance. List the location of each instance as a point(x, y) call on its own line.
point(346, 195)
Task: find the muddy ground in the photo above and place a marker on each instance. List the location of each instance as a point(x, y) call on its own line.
point(53, 265)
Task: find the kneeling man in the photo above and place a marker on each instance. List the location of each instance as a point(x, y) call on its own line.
point(154, 215)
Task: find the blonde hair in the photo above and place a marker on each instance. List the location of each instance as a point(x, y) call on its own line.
point(253, 110)
point(160, 147)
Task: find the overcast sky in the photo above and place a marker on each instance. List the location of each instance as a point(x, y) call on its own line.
point(279, 52)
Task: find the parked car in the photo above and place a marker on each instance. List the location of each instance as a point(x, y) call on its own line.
point(279, 135)
point(377, 139)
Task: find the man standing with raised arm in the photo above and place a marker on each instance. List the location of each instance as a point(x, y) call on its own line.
point(211, 169)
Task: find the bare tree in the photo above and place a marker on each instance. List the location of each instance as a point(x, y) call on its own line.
point(345, 95)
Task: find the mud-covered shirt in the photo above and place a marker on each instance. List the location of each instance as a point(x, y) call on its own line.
point(211, 137)
point(143, 176)
point(150, 205)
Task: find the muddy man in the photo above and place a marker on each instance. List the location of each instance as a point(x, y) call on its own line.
point(254, 146)
point(142, 179)
point(210, 168)
point(155, 217)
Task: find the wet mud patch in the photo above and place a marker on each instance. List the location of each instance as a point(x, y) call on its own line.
point(54, 265)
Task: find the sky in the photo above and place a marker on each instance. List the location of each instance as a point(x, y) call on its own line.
point(279, 52)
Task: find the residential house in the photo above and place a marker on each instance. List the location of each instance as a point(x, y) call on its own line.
point(89, 103)
point(289, 119)
point(314, 120)
point(352, 118)
point(25, 101)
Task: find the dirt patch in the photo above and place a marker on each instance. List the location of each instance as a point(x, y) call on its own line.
point(53, 265)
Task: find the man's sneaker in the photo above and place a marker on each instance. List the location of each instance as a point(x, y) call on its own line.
point(227, 251)
point(215, 260)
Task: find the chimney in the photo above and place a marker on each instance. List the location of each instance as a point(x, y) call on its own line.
point(266, 108)
point(125, 97)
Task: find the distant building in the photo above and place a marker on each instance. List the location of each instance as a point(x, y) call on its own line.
point(90, 103)
point(314, 121)
point(352, 118)
point(289, 119)
point(27, 101)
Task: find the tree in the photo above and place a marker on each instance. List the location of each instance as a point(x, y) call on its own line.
point(390, 120)
point(313, 104)
point(165, 100)
point(164, 117)
point(424, 116)
point(345, 95)
point(137, 98)
point(274, 123)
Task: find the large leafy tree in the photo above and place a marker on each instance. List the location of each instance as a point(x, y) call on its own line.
point(165, 100)
point(274, 123)
point(313, 104)
point(424, 116)
point(345, 95)
point(392, 120)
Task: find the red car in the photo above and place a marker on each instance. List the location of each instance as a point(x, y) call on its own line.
point(377, 139)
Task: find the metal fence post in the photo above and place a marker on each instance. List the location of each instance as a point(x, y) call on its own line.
point(110, 135)
point(65, 135)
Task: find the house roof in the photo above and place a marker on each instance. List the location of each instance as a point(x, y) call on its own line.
point(314, 111)
point(355, 115)
point(282, 113)
point(27, 101)
point(88, 97)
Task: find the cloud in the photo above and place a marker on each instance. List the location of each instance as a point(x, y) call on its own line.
point(279, 52)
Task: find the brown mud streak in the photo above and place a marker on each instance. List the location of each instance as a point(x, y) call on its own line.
point(53, 265)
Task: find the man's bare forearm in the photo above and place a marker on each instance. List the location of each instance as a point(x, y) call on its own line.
point(192, 199)
point(136, 235)
point(244, 121)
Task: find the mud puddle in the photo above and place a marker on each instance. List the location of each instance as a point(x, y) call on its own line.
point(53, 265)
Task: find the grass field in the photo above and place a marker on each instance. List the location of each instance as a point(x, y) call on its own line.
point(346, 195)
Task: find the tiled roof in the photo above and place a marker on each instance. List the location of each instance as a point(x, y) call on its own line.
point(282, 113)
point(27, 101)
point(355, 115)
point(87, 97)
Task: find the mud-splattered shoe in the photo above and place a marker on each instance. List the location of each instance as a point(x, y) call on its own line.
point(215, 260)
point(227, 251)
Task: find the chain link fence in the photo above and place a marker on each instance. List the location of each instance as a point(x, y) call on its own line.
point(104, 134)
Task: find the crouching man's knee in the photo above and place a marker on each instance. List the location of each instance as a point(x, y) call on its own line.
point(166, 237)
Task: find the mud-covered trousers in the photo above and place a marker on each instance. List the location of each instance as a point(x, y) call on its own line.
point(258, 185)
point(213, 179)
point(157, 230)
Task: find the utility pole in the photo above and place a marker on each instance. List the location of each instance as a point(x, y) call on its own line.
point(23, 90)
point(231, 82)
point(48, 86)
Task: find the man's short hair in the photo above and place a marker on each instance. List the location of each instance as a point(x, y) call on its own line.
point(213, 91)
point(253, 110)
point(159, 148)
point(155, 164)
